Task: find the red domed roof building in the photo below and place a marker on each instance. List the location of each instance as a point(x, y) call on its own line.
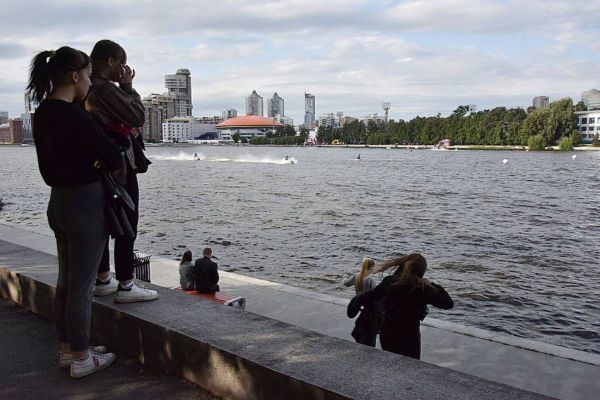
point(247, 126)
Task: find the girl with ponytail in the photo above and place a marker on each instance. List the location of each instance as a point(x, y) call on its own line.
point(407, 294)
point(365, 328)
point(69, 146)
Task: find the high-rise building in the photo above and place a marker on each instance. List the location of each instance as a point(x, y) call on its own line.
point(179, 86)
point(591, 99)
point(541, 102)
point(27, 117)
point(254, 104)
point(230, 113)
point(158, 108)
point(3, 117)
point(309, 110)
point(276, 105)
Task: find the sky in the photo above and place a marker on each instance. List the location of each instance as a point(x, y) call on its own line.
point(424, 56)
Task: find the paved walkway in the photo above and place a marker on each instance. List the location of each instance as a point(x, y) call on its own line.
point(530, 365)
point(28, 368)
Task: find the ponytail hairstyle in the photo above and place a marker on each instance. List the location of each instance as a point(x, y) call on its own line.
point(409, 270)
point(366, 264)
point(51, 68)
point(187, 256)
point(102, 51)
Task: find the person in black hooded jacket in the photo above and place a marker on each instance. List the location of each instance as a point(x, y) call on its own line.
point(407, 295)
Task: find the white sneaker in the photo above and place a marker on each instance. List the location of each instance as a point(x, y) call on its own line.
point(94, 362)
point(134, 294)
point(65, 359)
point(105, 288)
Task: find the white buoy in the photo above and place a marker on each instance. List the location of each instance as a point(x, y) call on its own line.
point(505, 161)
point(574, 156)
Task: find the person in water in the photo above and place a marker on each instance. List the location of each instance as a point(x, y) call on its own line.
point(358, 156)
point(407, 294)
point(287, 157)
point(366, 326)
point(196, 157)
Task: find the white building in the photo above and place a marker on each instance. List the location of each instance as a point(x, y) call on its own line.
point(179, 86)
point(284, 119)
point(373, 117)
point(27, 128)
point(254, 104)
point(178, 129)
point(588, 124)
point(591, 99)
point(276, 105)
point(330, 119)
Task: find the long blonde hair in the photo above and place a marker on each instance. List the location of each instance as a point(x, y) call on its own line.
point(366, 264)
point(409, 272)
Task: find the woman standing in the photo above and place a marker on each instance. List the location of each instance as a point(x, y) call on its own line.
point(119, 111)
point(68, 146)
point(366, 326)
point(407, 295)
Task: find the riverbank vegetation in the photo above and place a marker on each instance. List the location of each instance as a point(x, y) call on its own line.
point(500, 126)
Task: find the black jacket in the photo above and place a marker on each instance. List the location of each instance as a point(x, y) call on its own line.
point(403, 307)
point(207, 275)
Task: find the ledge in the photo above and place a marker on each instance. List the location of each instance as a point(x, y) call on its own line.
point(240, 355)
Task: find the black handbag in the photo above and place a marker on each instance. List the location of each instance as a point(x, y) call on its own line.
point(117, 200)
point(141, 162)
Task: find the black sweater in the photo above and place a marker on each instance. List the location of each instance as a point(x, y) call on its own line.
point(404, 307)
point(68, 142)
point(207, 275)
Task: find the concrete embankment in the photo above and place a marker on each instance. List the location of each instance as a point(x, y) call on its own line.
point(236, 354)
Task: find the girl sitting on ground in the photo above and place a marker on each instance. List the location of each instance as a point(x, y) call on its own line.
point(186, 272)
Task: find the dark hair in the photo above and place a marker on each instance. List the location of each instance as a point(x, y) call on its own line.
point(409, 270)
point(102, 51)
point(187, 256)
point(207, 251)
point(50, 68)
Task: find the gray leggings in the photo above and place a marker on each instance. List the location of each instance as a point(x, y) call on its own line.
point(76, 215)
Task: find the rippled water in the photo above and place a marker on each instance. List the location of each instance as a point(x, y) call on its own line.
point(515, 244)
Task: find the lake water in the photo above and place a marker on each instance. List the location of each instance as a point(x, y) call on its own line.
point(515, 244)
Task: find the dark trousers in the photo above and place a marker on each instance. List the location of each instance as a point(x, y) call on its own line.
point(76, 215)
point(404, 343)
point(124, 246)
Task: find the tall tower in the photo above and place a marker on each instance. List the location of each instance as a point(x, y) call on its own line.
point(254, 104)
point(179, 87)
point(309, 110)
point(276, 106)
point(386, 107)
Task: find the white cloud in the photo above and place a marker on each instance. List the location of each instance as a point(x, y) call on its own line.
point(423, 56)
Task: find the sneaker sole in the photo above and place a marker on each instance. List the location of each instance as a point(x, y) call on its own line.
point(93, 370)
point(100, 293)
point(134, 300)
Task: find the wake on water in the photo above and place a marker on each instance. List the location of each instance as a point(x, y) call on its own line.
point(183, 156)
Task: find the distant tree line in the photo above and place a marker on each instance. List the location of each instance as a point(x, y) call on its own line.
point(499, 126)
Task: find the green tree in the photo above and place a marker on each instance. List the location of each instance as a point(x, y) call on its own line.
point(236, 137)
point(596, 140)
point(304, 133)
point(580, 106)
point(536, 143)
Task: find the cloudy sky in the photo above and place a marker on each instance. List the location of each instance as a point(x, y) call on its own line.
point(424, 56)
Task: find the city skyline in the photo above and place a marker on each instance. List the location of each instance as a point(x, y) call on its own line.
point(425, 57)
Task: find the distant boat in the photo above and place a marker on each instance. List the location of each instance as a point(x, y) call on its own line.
point(25, 145)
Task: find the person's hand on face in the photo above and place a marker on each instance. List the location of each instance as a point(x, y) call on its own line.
point(127, 75)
